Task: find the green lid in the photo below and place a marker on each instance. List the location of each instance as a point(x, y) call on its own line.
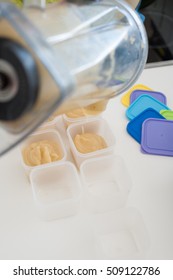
point(167, 114)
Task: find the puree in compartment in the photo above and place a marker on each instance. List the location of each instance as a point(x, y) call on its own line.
point(90, 110)
point(41, 152)
point(89, 142)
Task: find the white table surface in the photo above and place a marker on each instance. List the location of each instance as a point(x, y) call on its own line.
point(24, 236)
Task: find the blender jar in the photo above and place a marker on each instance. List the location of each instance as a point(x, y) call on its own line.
point(64, 55)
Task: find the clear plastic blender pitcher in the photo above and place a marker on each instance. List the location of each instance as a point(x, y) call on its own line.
point(64, 55)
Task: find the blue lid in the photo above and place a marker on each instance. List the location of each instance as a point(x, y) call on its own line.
point(134, 127)
point(142, 103)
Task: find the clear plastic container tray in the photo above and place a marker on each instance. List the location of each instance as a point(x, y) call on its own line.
point(97, 126)
point(56, 190)
point(107, 183)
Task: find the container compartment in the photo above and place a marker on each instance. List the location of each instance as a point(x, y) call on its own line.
point(121, 235)
point(107, 183)
point(56, 190)
point(97, 126)
point(50, 135)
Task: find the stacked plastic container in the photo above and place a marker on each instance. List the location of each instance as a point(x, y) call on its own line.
point(95, 184)
point(151, 120)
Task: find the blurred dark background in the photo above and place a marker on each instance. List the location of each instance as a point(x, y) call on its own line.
point(159, 26)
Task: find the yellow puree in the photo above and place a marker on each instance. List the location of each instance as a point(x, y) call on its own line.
point(90, 110)
point(93, 109)
point(41, 152)
point(89, 142)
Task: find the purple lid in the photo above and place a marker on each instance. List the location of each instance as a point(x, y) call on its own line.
point(155, 94)
point(157, 137)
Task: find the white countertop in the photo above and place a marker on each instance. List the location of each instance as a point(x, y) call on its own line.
point(24, 236)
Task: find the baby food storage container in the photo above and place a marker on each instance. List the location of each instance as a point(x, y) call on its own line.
point(85, 113)
point(121, 234)
point(107, 183)
point(45, 135)
point(56, 190)
point(64, 55)
point(95, 126)
point(69, 120)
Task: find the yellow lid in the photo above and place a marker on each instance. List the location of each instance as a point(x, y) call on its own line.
point(125, 100)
